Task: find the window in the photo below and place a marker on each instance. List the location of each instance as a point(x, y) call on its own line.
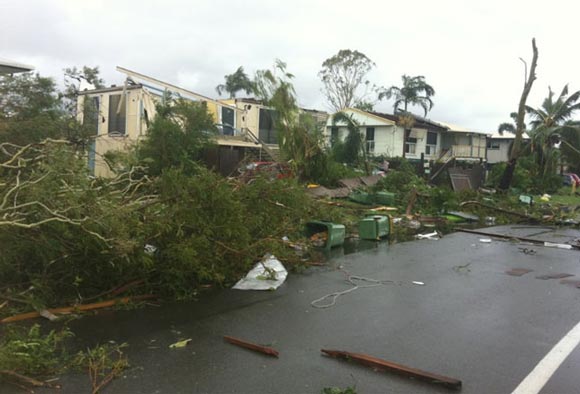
point(431, 146)
point(267, 133)
point(370, 139)
point(411, 145)
point(492, 145)
point(228, 120)
point(91, 114)
point(117, 114)
point(333, 135)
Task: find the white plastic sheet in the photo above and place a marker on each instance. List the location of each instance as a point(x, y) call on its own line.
point(259, 277)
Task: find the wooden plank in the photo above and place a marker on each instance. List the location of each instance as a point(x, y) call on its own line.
point(384, 365)
point(251, 346)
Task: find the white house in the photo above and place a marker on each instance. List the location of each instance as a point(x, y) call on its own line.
point(385, 136)
point(499, 146)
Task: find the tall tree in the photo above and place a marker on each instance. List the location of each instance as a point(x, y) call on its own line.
point(415, 91)
point(551, 124)
point(508, 174)
point(344, 76)
point(235, 83)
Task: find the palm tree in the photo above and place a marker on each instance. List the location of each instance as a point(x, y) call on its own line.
point(415, 91)
point(551, 125)
point(509, 127)
point(236, 82)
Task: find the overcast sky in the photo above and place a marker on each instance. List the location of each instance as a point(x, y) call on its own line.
point(468, 51)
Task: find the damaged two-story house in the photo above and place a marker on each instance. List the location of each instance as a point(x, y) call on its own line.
point(411, 137)
point(122, 114)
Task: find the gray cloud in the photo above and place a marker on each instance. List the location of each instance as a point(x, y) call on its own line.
point(468, 51)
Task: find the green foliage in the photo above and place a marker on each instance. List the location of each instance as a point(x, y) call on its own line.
point(27, 96)
point(200, 232)
point(528, 176)
point(73, 77)
point(177, 137)
point(103, 363)
point(32, 109)
point(551, 123)
point(29, 352)
point(352, 150)
point(299, 136)
point(236, 82)
point(344, 78)
point(415, 91)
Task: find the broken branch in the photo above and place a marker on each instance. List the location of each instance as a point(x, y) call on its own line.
point(384, 365)
point(251, 346)
point(82, 307)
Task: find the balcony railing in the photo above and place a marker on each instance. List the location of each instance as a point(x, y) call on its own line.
point(468, 151)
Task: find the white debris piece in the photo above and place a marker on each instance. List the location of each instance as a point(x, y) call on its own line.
point(268, 274)
point(559, 246)
point(434, 236)
point(416, 282)
point(485, 240)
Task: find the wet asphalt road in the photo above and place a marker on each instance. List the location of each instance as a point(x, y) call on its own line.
point(469, 321)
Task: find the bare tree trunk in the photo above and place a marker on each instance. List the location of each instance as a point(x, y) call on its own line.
point(508, 174)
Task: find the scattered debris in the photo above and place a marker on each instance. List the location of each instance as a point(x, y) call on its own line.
point(511, 237)
point(462, 269)
point(554, 276)
point(521, 215)
point(383, 365)
point(81, 307)
point(518, 271)
point(47, 314)
point(465, 216)
point(490, 220)
point(415, 282)
point(350, 279)
point(413, 224)
point(545, 198)
point(269, 274)
point(383, 209)
point(29, 381)
point(558, 246)
point(527, 251)
point(180, 344)
point(251, 346)
point(571, 282)
point(525, 199)
point(319, 239)
point(434, 236)
point(485, 240)
point(150, 249)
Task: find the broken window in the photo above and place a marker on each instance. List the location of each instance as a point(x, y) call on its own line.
point(117, 113)
point(370, 139)
point(431, 146)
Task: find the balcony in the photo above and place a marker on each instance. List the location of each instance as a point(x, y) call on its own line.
point(468, 151)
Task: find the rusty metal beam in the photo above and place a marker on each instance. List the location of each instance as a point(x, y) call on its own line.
point(251, 346)
point(384, 365)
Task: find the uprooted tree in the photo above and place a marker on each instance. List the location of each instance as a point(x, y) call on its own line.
point(508, 174)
